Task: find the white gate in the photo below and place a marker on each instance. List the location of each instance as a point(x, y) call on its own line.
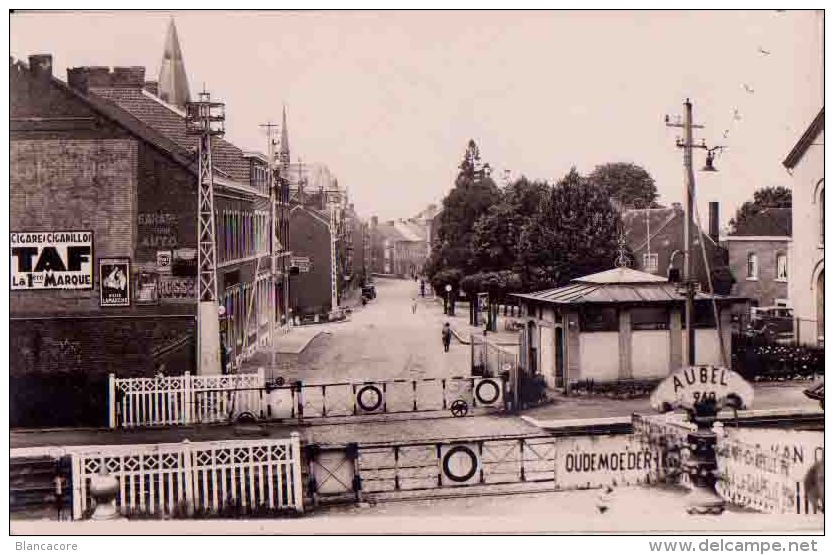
point(259, 477)
point(186, 399)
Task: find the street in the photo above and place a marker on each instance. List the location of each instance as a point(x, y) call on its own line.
point(382, 340)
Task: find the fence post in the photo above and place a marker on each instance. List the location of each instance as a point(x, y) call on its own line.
point(188, 409)
point(77, 489)
point(297, 484)
point(111, 399)
point(189, 477)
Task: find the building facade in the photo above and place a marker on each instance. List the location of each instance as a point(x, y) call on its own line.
point(103, 182)
point(805, 163)
point(758, 257)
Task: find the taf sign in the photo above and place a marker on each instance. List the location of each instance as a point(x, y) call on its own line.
point(694, 384)
point(51, 260)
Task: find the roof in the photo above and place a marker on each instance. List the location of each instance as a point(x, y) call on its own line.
point(578, 292)
point(170, 121)
point(769, 222)
point(634, 221)
point(621, 276)
point(807, 138)
point(408, 232)
point(387, 230)
point(618, 285)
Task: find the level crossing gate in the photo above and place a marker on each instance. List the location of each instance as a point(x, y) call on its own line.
point(474, 466)
point(458, 396)
point(187, 399)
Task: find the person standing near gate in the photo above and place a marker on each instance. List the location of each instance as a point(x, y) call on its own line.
point(446, 334)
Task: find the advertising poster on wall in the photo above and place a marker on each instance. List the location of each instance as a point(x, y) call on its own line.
point(147, 287)
point(51, 260)
point(114, 279)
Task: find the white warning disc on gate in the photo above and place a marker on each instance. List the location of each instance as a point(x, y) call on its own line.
point(488, 392)
point(369, 398)
point(460, 464)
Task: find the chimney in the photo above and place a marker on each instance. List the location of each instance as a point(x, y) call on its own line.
point(713, 221)
point(40, 65)
point(84, 78)
point(152, 87)
point(128, 77)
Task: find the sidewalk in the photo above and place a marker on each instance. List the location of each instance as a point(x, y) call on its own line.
point(463, 331)
point(781, 395)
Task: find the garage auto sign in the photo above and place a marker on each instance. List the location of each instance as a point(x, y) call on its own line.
point(51, 260)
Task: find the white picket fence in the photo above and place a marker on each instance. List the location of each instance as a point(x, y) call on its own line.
point(186, 399)
point(202, 478)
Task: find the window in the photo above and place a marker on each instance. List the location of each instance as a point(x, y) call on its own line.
point(752, 265)
point(781, 266)
point(594, 318)
point(822, 216)
point(650, 318)
point(650, 263)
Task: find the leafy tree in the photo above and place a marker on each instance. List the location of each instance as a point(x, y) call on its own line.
point(474, 192)
point(495, 235)
point(766, 197)
point(573, 234)
point(629, 185)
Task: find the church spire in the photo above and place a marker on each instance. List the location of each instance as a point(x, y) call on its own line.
point(284, 153)
point(173, 83)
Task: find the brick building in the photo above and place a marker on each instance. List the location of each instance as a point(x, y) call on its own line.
point(758, 257)
point(103, 155)
point(655, 238)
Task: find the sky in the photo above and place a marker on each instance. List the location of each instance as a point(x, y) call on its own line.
point(389, 100)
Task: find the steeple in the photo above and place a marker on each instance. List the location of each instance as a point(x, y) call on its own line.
point(173, 83)
point(284, 153)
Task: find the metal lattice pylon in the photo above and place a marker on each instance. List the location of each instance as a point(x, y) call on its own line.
point(205, 118)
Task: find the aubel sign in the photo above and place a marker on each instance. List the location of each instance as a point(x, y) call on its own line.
point(691, 385)
point(51, 260)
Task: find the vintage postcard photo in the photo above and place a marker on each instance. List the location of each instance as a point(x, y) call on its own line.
point(417, 272)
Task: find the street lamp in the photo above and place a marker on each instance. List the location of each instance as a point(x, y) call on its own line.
point(448, 304)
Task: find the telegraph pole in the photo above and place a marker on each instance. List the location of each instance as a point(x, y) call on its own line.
point(689, 182)
point(273, 239)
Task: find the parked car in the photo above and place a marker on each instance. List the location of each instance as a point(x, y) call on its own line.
point(772, 322)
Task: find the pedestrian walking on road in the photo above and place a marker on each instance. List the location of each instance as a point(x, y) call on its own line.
point(446, 334)
point(414, 305)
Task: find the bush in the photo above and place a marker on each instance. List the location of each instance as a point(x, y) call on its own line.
point(758, 359)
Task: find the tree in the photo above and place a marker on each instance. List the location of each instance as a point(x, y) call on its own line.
point(766, 197)
point(495, 235)
point(573, 234)
point(474, 192)
point(627, 184)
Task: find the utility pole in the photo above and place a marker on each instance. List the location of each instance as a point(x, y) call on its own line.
point(205, 119)
point(273, 240)
point(689, 182)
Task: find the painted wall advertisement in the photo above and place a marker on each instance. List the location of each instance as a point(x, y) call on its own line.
point(51, 260)
point(114, 277)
